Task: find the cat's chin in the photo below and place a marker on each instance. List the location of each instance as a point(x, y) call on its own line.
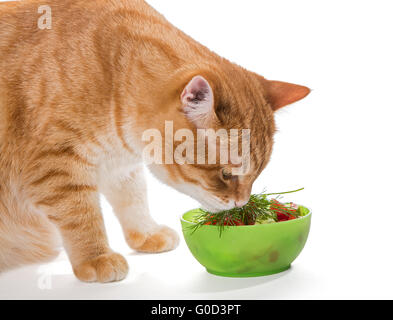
point(217, 210)
point(217, 207)
point(212, 210)
point(207, 201)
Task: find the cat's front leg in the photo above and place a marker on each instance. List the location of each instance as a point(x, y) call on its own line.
point(127, 195)
point(72, 204)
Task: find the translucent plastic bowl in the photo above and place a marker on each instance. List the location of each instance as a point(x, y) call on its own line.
point(246, 251)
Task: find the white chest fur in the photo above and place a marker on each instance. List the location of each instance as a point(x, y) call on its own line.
point(116, 166)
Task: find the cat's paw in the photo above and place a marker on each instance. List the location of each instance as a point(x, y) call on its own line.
point(105, 268)
point(161, 240)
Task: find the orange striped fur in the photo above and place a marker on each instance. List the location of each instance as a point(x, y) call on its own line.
point(74, 103)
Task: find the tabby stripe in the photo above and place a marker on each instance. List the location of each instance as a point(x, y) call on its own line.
point(145, 69)
point(255, 87)
point(207, 167)
point(54, 218)
point(70, 225)
point(67, 127)
point(256, 94)
point(163, 47)
point(51, 200)
point(186, 177)
point(64, 192)
point(76, 188)
point(50, 175)
point(167, 50)
point(66, 151)
point(134, 13)
point(119, 125)
point(63, 125)
point(162, 23)
point(65, 223)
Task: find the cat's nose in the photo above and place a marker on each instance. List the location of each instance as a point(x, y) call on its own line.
point(241, 203)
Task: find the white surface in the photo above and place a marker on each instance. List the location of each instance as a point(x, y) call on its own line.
point(336, 143)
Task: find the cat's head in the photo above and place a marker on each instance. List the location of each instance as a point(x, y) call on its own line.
point(238, 100)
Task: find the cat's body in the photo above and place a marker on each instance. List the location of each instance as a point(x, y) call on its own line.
point(74, 102)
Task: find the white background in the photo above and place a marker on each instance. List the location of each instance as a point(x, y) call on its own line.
point(336, 143)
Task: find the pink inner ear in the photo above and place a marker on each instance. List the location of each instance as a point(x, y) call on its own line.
point(197, 90)
point(197, 99)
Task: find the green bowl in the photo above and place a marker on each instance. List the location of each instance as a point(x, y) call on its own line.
point(246, 251)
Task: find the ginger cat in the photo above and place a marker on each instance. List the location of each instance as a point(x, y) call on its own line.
point(75, 100)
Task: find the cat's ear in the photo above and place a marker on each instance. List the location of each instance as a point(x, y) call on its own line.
point(280, 94)
point(198, 101)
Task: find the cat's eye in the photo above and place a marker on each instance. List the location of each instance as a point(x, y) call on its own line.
point(227, 175)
